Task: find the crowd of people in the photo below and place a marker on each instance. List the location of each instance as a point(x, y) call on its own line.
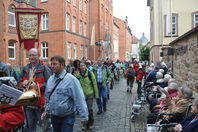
point(69, 90)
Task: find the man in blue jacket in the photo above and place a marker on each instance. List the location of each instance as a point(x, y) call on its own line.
point(63, 95)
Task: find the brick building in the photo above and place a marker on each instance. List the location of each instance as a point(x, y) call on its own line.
point(52, 35)
point(102, 17)
point(125, 39)
point(8, 35)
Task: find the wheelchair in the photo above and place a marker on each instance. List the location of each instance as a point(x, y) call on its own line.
point(168, 126)
point(139, 106)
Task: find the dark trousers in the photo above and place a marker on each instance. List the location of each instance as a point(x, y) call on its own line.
point(102, 94)
point(63, 124)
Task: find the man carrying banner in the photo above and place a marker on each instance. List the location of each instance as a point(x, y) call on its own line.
point(34, 73)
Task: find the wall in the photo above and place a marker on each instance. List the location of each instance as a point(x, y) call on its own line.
point(185, 59)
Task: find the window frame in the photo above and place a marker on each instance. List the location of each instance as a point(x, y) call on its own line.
point(85, 29)
point(194, 21)
point(11, 47)
point(69, 50)
point(74, 3)
point(46, 20)
point(175, 26)
point(67, 21)
point(80, 27)
point(86, 51)
point(74, 24)
point(12, 14)
point(85, 7)
point(46, 50)
point(75, 51)
point(81, 51)
point(80, 5)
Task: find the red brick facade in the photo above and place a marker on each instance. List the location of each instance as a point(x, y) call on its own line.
point(101, 14)
point(125, 40)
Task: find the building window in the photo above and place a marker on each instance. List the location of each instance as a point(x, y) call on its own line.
point(11, 17)
point(75, 51)
point(67, 21)
point(74, 24)
point(11, 48)
point(85, 8)
point(69, 50)
point(44, 50)
point(80, 4)
point(81, 51)
point(68, 0)
point(44, 0)
point(172, 28)
point(45, 22)
point(74, 3)
point(195, 19)
point(80, 27)
point(85, 29)
point(85, 52)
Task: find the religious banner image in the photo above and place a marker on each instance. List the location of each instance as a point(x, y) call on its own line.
point(28, 24)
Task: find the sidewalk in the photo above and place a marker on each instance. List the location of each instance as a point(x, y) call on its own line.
point(117, 116)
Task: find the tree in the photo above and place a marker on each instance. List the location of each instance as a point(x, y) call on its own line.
point(144, 53)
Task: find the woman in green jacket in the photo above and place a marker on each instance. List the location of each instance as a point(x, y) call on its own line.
point(89, 86)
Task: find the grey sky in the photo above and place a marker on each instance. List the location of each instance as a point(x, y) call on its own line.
point(138, 15)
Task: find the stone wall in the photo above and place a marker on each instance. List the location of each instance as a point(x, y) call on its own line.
point(184, 60)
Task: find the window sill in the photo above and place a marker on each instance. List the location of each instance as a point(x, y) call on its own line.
point(14, 26)
point(11, 58)
point(44, 1)
point(44, 31)
point(167, 36)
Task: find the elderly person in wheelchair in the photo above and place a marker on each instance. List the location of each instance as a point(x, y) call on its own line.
point(190, 124)
point(176, 108)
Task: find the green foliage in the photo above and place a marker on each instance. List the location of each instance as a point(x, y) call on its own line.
point(144, 53)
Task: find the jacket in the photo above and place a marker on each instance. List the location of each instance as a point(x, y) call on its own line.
point(189, 127)
point(66, 98)
point(106, 74)
point(140, 75)
point(88, 87)
point(136, 66)
point(42, 74)
point(4, 69)
point(11, 117)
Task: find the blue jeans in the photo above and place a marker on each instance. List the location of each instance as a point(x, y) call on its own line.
point(63, 124)
point(102, 93)
point(32, 116)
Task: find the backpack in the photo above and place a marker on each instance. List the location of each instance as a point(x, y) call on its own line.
point(136, 73)
point(130, 73)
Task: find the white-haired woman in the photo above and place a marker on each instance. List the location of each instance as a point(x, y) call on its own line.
point(190, 124)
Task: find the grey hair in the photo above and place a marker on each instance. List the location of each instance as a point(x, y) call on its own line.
point(167, 76)
point(196, 103)
point(173, 86)
point(161, 70)
point(159, 74)
point(172, 80)
point(187, 92)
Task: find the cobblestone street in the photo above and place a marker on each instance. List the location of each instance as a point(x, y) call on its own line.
point(117, 116)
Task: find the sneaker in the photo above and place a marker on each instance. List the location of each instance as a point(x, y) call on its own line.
point(84, 127)
point(91, 127)
point(99, 112)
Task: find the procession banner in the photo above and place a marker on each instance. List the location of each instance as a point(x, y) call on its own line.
point(27, 25)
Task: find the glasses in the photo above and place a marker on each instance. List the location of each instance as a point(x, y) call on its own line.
point(32, 55)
